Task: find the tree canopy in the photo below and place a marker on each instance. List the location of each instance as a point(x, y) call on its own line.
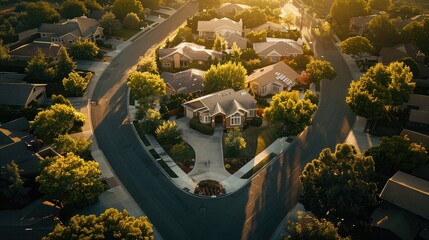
point(40, 12)
point(383, 5)
point(147, 64)
point(380, 89)
point(71, 180)
point(64, 144)
point(184, 34)
point(132, 21)
point(252, 17)
point(122, 7)
point(308, 227)
point(320, 69)
point(219, 43)
point(84, 49)
point(397, 153)
point(111, 224)
point(109, 23)
point(289, 112)
point(4, 53)
point(357, 45)
point(168, 133)
point(382, 31)
point(223, 76)
point(40, 69)
point(65, 64)
point(73, 8)
point(207, 4)
point(417, 32)
point(74, 84)
point(337, 185)
point(343, 10)
point(146, 87)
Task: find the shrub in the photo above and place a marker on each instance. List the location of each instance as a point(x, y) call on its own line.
point(179, 149)
point(151, 121)
point(194, 123)
point(227, 166)
point(168, 133)
point(256, 121)
point(132, 21)
point(234, 142)
point(99, 43)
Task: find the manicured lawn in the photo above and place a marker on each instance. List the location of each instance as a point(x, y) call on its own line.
point(125, 33)
point(185, 161)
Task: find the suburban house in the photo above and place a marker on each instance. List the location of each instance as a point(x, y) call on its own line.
point(405, 207)
point(237, 39)
point(267, 26)
point(419, 109)
point(275, 51)
point(186, 53)
point(231, 8)
point(272, 79)
point(223, 26)
point(71, 30)
point(188, 82)
point(227, 107)
point(21, 94)
point(359, 25)
point(28, 51)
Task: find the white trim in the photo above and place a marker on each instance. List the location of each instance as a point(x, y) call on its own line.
point(233, 118)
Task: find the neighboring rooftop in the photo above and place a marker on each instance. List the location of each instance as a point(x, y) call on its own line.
point(188, 81)
point(29, 50)
point(79, 26)
point(226, 8)
point(191, 51)
point(398, 52)
point(18, 94)
point(217, 24)
point(278, 72)
point(281, 48)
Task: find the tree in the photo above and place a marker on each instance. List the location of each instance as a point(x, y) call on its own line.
point(290, 113)
point(71, 180)
point(320, 69)
point(382, 31)
point(417, 32)
point(235, 53)
point(40, 12)
point(74, 84)
point(54, 121)
point(84, 49)
point(4, 53)
point(343, 10)
point(289, 19)
point(146, 87)
point(357, 45)
point(313, 97)
point(15, 190)
point(122, 7)
point(9, 33)
point(252, 17)
point(207, 4)
point(223, 76)
point(380, 89)
point(151, 121)
point(132, 21)
point(219, 43)
point(184, 34)
point(111, 224)
point(383, 5)
point(234, 142)
point(60, 99)
point(64, 144)
point(65, 64)
point(147, 64)
point(73, 8)
point(308, 227)
point(110, 24)
point(40, 69)
point(397, 153)
point(168, 133)
point(412, 64)
point(338, 186)
point(255, 37)
point(323, 31)
point(92, 5)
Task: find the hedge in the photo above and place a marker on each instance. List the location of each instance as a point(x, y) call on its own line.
point(200, 127)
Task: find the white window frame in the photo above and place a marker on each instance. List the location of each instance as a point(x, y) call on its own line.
point(235, 119)
point(276, 88)
point(166, 64)
point(252, 113)
point(205, 119)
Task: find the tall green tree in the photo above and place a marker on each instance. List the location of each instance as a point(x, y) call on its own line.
point(147, 64)
point(255, 37)
point(111, 224)
point(343, 10)
point(382, 31)
point(417, 32)
point(4, 53)
point(40, 69)
point(184, 34)
point(151, 121)
point(383, 5)
point(9, 33)
point(338, 186)
point(40, 12)
point(219, 43)
point(308, 227)
point(320, 69)
point(290, 113)
point(73, 8)
point(54, 121)
point(84, 49)
point(74, 84)
point(146, 87)
point(234, 142)
point(92, 5)
point(397, 153)
point(65, 64)
point(252, 17)
point(15, 190)
point(60, 99)
point(168, 133)
point(357, 45)
point(110, 24)
point(223, 76)
point(64, 144)
point(122, 7)
point(71, 180)
point(131, 21)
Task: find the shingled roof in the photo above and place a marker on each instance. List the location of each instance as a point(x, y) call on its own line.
point(279, 72)
point(217, 24)
point(29, 50)
point(281, 48)
point(16, 94)
point(80, 27)
point(191, 51)
point(187, 81)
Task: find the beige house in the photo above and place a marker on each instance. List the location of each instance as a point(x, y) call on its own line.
point(227, 107)
point(272, 79)
point(223, 26)
point(68, 32)
point(186, 54)
point(275, 51)
point(21, 94)
point(28, 51)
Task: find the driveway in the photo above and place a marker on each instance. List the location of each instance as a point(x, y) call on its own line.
point(208, 152)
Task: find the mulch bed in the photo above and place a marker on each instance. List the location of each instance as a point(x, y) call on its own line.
point(232, 165)
point(209, 188)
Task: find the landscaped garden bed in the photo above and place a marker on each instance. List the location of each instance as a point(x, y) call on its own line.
point(182, 154)
point(209, 188)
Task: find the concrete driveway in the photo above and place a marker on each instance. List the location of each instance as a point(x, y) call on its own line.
point(208, 152)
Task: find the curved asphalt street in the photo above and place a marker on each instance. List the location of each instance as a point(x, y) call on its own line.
point(252, 212)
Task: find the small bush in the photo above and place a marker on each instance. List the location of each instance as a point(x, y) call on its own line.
point(168, 133)
point(179, 150)
point(227, 166)
point(256, 122)
point(194, 123)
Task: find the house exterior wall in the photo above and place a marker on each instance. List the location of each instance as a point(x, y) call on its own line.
point(176, 60)
point(228, 122)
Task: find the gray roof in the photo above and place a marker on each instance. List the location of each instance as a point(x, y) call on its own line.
point(279, 73)
point(218, 24)
point(80, 27)
point(408, 192)
point(191, 51)
point(29, 50)
point(16, 94)
point(277, 48)
point(420, 101)
point(226, 102)
point(19, 124)
point(398, 52)
point(188, 81)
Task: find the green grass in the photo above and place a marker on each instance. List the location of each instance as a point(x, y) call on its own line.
point(125, 33)
point(188, 154)
point(167, 169)
point(257, 139)
point(258, 166)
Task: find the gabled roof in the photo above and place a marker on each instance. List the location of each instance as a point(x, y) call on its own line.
point(270, 25)
point(280, 48)
point(187, 81)
point(398, 52)
point(29, 50)
point(362, 21)
point(19, 124)
point(239, 40)
point(217, 24)
point(408, 192)
point(420, 101)
point(231, 7)
point(279, 73)
point(191, 51)
point(16, 94)
point(79, 26)
point(226, 102)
